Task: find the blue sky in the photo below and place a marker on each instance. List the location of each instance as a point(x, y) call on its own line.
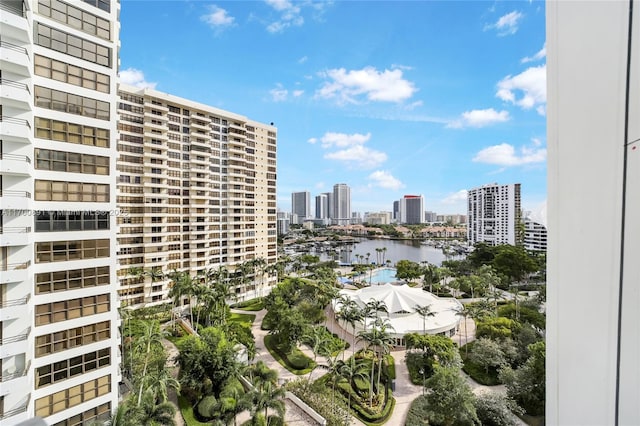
point(390, 97)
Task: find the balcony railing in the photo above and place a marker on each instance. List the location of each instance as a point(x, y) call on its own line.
point(16, 374)
point(16, 157)
point(16, 84)
point(15, 266)
point(12, 193)
point(15, 302)
point(20, 409)
point(13, 120)
point(17, 7)
point(13, 47)
point(14, 230)
point(20, 337)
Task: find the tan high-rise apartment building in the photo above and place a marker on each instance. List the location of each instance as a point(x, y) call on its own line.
point(59, 356)
point(197, 188)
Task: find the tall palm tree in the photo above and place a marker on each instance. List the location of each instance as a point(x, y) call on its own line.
point(424, 311)
point(377, 306)
point(351, 370)
point(151, 338)
point(465, 312)
point(150, 413)
point(384, 254)
point(160, 381)
point(260, 265)
point(259, 374)
point(269, 396)
point(352, 315)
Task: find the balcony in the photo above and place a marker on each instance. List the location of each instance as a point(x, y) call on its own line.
point(18, 413)
point(16, 308)
point(14, 272)
point(15, 94)
point(14, 345)
point(15, 164)
point(14, 23)
point(14, 378)
point(14, 200)
point(14, 58)
point(14, 235)
point(15, 129)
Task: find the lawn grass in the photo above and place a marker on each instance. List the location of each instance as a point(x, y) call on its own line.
point(250, 305)
point(242, 318)
point(187, 413)
point(291, 361)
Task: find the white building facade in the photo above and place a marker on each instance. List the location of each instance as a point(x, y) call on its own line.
point(593, 134)
point(535, 236)
point(494, 214)
point(411, 209)
point(59, 350)
point(341, 204)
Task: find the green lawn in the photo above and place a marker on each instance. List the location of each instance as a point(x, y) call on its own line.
point(187, 413)
point(243, 318)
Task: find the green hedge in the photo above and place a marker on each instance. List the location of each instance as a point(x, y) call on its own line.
point(187, 412)
point(295, 361)
point(363, 413)
point(391, 366)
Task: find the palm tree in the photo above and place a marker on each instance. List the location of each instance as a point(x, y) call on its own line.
point(269, 396)
point(384, 254)
point(232, 405)
point(317, 337)
point(151, 338)
point(259, 374)
point(351, 370)
point(160, 382)
point(424, 311)
point(149, 413)
point(260, 265)
point(351, 316)
point(377, 306)
point(380, 340)
point(465, 312)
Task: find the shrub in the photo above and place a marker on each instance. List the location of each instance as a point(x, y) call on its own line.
point(206, 407)
point(287, 360)
point(186, 409)
point(391, 367)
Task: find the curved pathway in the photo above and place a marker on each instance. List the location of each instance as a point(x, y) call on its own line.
point(172, 365)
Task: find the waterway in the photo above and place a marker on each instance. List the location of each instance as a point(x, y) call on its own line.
point(396, 250)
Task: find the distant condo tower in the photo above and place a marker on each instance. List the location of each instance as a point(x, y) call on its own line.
point(301, 205)
point(341, 204)
point(494, 214)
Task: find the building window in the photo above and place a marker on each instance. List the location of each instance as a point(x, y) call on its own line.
point(68, 368)
point(72, 133)
point(60, 41)
point(70, 103)
point(56, 221)
point(73, 396)
point(75, 18)
point(61, 71)
point(96, 415)
point(61, 251)
point(51, 282)
point(46, 190)
point(50, 313)
point(61, 161)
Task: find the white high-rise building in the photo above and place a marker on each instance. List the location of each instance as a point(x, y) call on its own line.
point(59, 339)
point(301, 205)
point(593, 273)
point(535, 236)
point(322, 206)
point(329, 204)
point(411, 209)
point(341, 204)
point(198, 185)
point(494, 214)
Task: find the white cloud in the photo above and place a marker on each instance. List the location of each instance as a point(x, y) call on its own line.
point(384, 179)
point(289, 15)
point(342, 140)
point(540, 54)
point(319, 185)
point(480, 118)
point(358, 156)
point(455, 197)
point(279, 94)
point(134, 77)
point(506, 155)
point(303, 59)
point(531, 85)
point(218, 18)
point(374, 85)
point(297, 93)
point(506, 24)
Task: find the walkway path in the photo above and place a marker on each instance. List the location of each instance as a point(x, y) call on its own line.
point(172, 353)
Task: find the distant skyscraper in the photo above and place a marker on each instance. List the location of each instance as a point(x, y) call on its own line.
point(430, 216)
point(341, 204)
point(396, 210)
point(411, 209)
point(301, 205)
point(329, 204)
point(494, 214)
point(322, 206)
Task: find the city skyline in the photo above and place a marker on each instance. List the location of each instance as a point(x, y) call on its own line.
point(400, 100)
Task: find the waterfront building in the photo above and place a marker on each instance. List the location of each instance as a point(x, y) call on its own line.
point(59, 339)
point(494, 214)
point(430, 217)
point(411, 209)
point(198, 186)
point(341, 204)
point(380, 218)
point(301, 206)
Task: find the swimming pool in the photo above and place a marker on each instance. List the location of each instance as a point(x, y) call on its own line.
point(383, 276)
